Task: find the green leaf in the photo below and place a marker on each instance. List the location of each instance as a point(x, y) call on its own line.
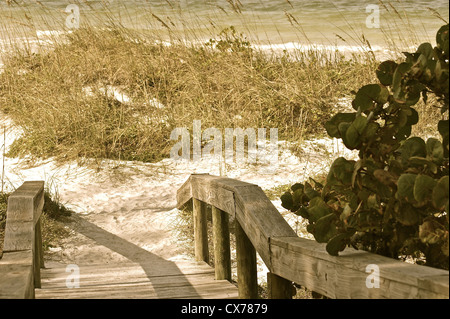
point(332, 126)
point(340, 172)
point(426, 49)
point(431, 231)
point(317, 209)
point(403, 115)
point(419, 161)
point(414, 146)
point(440, 193)
point(423, 189)
point(368, 95)
point(443, 128)
point(346, 212)
point(296, 186)
point(370, 131)
point(397, 81)
point(405, 188)
point(338, 243)
point(353, 134)
point(385, 177)
point(297, 198)
point(424, 163)
point(385, 72)
point(407, 214)
point(413, 117)
point(325, 228)
point(435, 151)
point(302, 212)
point(403, 133)
point(287, 201)
point(310, 192)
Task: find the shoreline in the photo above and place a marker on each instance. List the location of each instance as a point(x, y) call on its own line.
point(45, 39)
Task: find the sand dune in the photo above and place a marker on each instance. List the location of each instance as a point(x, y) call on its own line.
point(134, 203)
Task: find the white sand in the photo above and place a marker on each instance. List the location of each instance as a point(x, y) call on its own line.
point(126, 211)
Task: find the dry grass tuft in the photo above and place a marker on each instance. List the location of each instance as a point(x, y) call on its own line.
point(63, 98)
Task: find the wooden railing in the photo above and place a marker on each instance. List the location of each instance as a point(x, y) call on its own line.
point(22, 249)
point(261, 229)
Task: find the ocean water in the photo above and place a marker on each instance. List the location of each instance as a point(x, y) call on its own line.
point(345, 24)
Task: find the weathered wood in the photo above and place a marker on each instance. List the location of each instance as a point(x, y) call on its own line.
point(260, 220)
point(22, 258)
point(160, 279)
point(38, 254)
point(23, 211)
point(16, 275)
point(209, 191)
point(184, 193)
point(246, 265)
point(221, 237)
point(200, 231)
point(306, 262)
point(247, 202)
point(278, 287)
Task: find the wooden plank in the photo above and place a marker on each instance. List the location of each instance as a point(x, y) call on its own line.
point(19, 235)
point(209, 191)
point(307, 263)
point(20, 264)
point(224, 182)
point(257, 215)
point(118, 272)
point(206, 291)
point(278, 287)
point(260, 220)
point(246, 265)
point(132, 281)
point(16, 273)
point(38, 255)
point(24, 209)
point(221, 238)
point(156, 281)
point(184, 193)
point(200, 231)
point(200, 289)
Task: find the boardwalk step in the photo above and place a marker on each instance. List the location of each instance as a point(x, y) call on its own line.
point(162, 279)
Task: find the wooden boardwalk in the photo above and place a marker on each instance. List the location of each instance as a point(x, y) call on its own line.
point(164, 280)
point(258, 228)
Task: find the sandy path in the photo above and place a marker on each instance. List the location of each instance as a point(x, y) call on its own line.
point(127, 210)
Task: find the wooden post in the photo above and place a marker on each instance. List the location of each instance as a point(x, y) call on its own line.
point(38, 254)
point(278, 287)
point(246, 265)
point(221, 237)
point(200, 231)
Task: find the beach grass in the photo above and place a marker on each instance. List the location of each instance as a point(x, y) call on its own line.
point(109, 91)
point(63, 98)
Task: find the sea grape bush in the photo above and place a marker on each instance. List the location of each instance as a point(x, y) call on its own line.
point(393, 200)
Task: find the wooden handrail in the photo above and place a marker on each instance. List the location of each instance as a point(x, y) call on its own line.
point(352, 274)
point(22, 248)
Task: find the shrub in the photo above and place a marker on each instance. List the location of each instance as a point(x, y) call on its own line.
point(394, 199)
